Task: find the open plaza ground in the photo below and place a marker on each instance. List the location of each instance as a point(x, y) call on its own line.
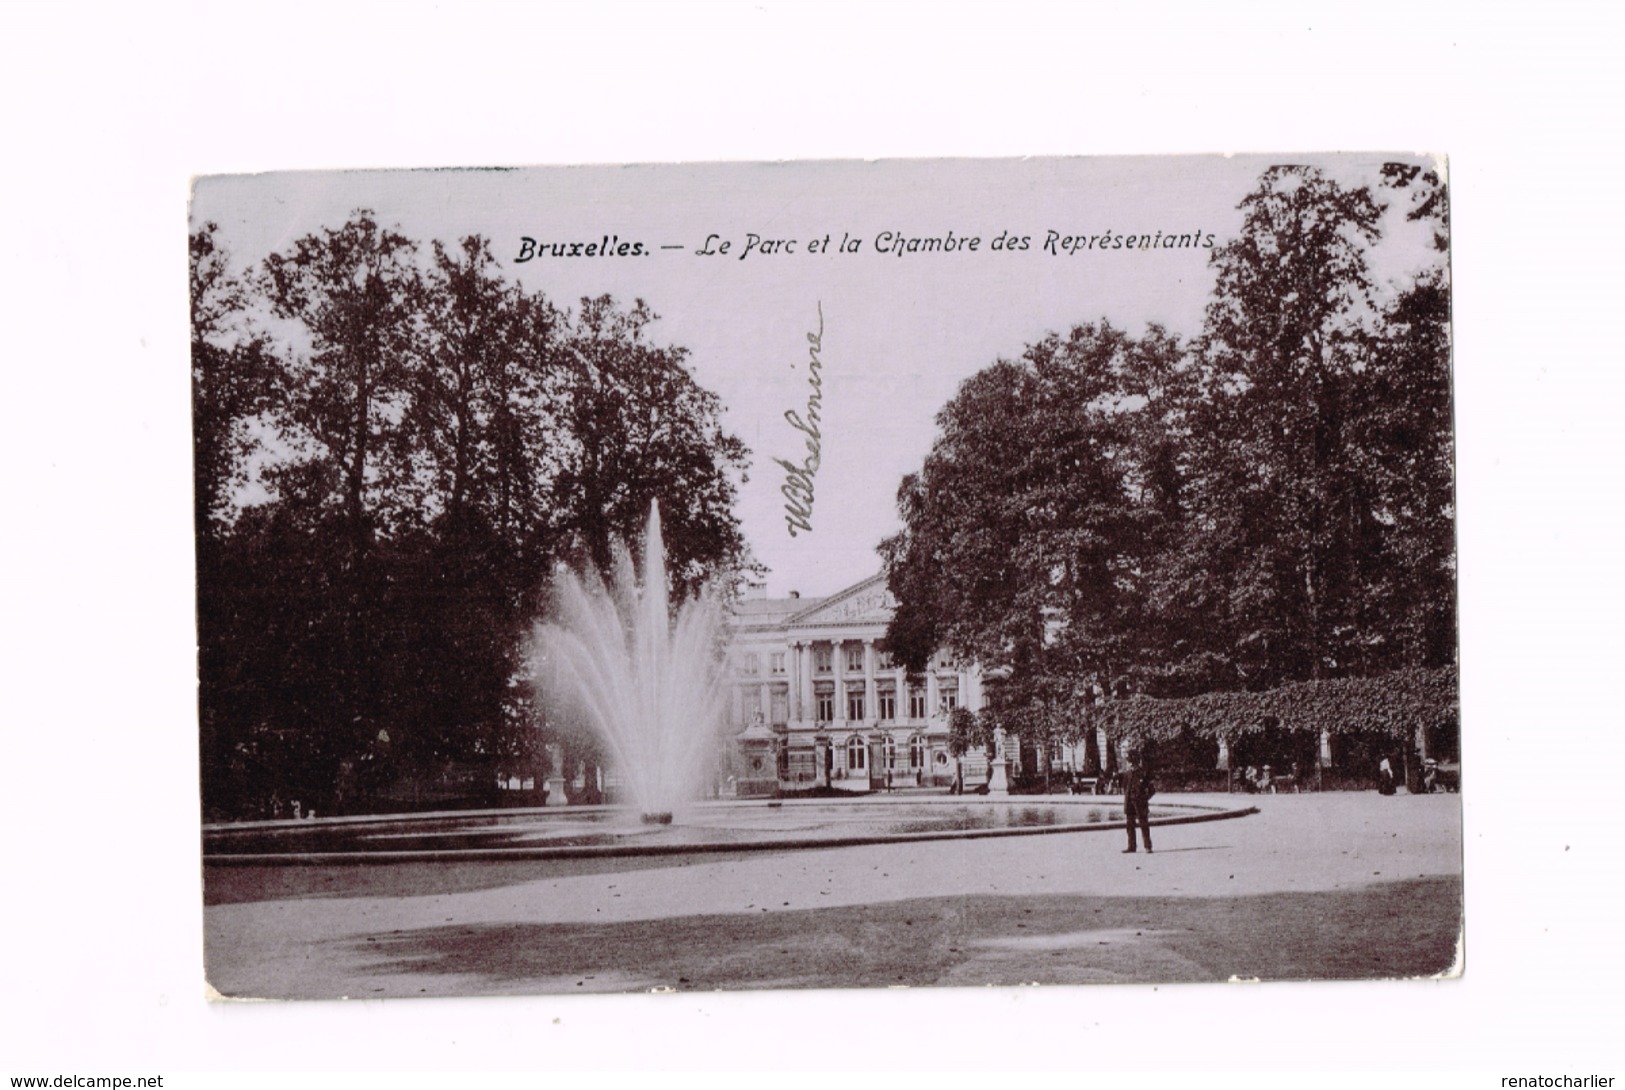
point(1314, 886)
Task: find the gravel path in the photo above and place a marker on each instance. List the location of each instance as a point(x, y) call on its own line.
point(1333, 885)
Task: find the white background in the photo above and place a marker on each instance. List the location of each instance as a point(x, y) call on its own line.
point(108, 112)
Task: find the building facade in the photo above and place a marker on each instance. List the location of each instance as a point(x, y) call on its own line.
point(818, 701)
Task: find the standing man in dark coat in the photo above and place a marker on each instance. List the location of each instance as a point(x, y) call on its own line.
point(1137, 792)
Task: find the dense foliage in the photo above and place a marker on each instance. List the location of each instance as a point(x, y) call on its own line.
point(1394, 705)
point(1270, 503)
point(394, 446)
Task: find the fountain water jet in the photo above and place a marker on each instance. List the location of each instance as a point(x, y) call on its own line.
point(651, 686)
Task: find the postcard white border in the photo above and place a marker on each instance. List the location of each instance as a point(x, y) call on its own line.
point(119, 107)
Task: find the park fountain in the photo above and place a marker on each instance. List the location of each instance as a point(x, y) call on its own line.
point(650, 685)
point(613, 657)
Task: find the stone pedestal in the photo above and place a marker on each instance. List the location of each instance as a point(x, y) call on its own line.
point(556, 795)
point(998, 780)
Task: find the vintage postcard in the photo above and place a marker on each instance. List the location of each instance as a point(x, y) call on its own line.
point(826, 574)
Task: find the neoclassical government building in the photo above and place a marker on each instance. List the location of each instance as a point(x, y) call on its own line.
point(817, 700)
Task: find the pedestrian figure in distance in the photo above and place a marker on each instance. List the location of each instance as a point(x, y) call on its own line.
point(1137, 792)
point(1385, 776)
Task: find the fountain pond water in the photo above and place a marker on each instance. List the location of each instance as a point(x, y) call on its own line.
point(706, 827)
point(651, 684)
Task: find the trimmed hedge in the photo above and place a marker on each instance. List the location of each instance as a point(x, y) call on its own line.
point(1393, 704)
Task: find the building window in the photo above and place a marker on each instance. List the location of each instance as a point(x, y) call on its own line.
point(826, 707)
point(750, 663)
point(778, 662)
point(854, 705)
point(781, 706)
point(857, 754)
point(949, 693)
point(916, 752)
point(883, 660)
point(821, 659)
point(854, 658)
point(888, 704)
point(891, 753)
point(916, 703)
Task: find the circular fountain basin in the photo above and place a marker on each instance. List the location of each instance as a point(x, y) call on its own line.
point(601, 831)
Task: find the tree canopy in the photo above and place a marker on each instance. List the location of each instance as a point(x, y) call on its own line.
point(1269, 502)
point(394, 446)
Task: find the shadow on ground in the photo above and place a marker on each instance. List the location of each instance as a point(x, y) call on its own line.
point(1398, 929)
point(250, 884)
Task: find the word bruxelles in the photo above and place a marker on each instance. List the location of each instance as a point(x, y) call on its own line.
point(608, 246)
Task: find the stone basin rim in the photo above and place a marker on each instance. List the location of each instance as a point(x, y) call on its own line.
point(707, 804)
point(1193, 814)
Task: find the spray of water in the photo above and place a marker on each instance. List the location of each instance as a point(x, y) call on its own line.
point(651, 685)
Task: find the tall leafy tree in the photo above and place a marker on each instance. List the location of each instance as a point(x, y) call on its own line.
point(1272, 502)
point(965, 730)
point(1285, 342)
point(432, 439)
point(351, 300)
point(641, 429)
point(1033, 558)
point(462, 582)
point(1409, 440)
point(234, 380)
point(355, 292)
point(234, 384)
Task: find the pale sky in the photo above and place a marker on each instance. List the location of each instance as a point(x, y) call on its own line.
point(901, 331)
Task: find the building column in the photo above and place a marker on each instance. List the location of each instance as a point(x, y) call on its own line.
point(932, 694)
point(871, 694)
point(809, 702)
point(794, 696)
point(837, 663)
point(764, 700)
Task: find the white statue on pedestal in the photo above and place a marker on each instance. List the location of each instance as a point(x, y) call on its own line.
point(998, 780)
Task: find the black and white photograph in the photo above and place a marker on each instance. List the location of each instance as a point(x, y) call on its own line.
point(770, 543)
point(826, 575)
